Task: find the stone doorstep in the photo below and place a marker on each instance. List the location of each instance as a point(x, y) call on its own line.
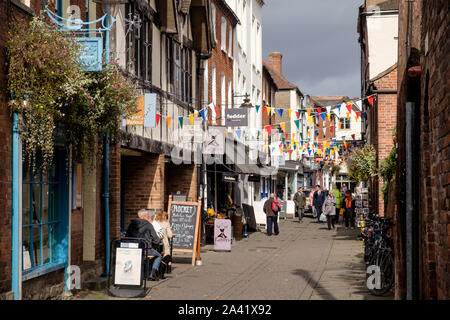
point(96, 284)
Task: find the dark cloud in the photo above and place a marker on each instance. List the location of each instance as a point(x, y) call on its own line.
point(319, 42)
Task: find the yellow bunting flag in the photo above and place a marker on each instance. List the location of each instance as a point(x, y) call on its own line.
point(191, 118)
point(169, 120)
point(283, 126)
point(329, 116)
point(290, 111)
point(268, 110)
point(310, 119)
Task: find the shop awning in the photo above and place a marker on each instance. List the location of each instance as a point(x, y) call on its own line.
point(236, 153)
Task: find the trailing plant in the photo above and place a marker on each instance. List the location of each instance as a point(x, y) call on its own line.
point(362, 163)
point(49, 89)
point(387, 170)
point(335, 170)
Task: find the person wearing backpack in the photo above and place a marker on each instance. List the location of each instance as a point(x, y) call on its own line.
point(271, 208)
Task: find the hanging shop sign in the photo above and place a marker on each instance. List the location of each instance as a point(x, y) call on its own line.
point(146, 112)
point(230, 177)
point(236, 117)
point(214, 141)
point(91, 54)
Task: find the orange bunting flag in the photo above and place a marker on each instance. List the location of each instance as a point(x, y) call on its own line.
point(348, 116)
point(309, 112)
point(283, 126)
point(169, 121)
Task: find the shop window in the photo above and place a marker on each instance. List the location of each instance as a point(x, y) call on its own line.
point(44, 217)
point(139, 43)
point(179, 74)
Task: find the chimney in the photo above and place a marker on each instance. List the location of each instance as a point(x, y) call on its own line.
point(275, 61)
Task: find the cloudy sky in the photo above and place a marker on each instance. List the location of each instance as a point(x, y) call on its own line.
point(319, 43)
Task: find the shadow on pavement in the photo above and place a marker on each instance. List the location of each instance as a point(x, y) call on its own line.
point(306, 275)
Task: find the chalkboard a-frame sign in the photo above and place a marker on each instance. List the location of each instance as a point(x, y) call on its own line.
point(184, 219)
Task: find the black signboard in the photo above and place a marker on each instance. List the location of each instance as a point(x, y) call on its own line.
point(229, 177)
point(184, 218)
point(254, 178)
point(236, 117)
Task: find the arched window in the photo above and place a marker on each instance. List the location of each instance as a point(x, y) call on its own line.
point(223, 40)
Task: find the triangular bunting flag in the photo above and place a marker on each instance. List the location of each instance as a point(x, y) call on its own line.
point(358, 104)
point(309, 112)
point(180, 119)
point(280, 112)
point(238, 133)
point(339, 109)
point(290, 112)
point(257, 108)
point(337, 113)
point(269, 129)
point(349, 107)
point(310, 119)
point(191, 118)
point(357, 115)
point(158, 117)
point(268, 110)
point(169, 121)
point(264, 108)
point(319, 110)
point(323, 115)
point(297, 123)
point(202, 113)
point(283, 126)
point(371, 100)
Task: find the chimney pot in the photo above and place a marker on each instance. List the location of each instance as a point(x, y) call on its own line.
point(275, 61)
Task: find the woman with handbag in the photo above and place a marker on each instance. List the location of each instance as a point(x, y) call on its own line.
point(329, 209)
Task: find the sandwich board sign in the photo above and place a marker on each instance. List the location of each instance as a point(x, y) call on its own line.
point(184, 219)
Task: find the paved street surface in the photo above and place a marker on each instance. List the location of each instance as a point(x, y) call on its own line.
point(304, 262)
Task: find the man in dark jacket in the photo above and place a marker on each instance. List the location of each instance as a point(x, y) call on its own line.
point(143, 228)
point(318, 200)
point(272, 217)
point(300, 202)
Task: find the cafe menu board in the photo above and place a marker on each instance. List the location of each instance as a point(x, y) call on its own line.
point(184, 218)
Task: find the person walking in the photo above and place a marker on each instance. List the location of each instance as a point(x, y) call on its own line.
point(300, 202)
point(271, 207)
point(349, 213)
point(339, 199)
point(311, 198)
point(318, 199)
point(329, 208)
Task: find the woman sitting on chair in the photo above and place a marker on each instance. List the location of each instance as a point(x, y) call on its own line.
point(163, 229)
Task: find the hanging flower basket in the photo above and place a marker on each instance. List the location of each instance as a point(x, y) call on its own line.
point(48, 87)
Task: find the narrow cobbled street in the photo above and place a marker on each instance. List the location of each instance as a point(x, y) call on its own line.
point(304, 262)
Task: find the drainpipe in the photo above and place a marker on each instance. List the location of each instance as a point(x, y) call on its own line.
point(16, 246)
point(409, 201)
point(106, 168)
point(200, 169)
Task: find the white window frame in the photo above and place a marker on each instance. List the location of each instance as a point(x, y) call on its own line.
point(223, 32)
point(213, 17)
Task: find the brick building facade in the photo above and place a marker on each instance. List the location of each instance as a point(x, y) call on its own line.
point(218, 78)
point(423, 165)
point(383, 120)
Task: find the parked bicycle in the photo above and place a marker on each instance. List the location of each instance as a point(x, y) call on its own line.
point(379, 251)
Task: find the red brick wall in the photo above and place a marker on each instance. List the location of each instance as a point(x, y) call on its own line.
point(181, 178)
point(385, 115)
point(436, 157)
point(144, 184)
point(223, 64)
point(114, 190)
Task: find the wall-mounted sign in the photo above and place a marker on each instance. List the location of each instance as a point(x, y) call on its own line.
point(254, 178)
point(230, 177)
point(91, 53)
point(146, 112)
point(236, 117)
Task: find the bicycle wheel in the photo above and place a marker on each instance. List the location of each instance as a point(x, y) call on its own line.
point(385, 261)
